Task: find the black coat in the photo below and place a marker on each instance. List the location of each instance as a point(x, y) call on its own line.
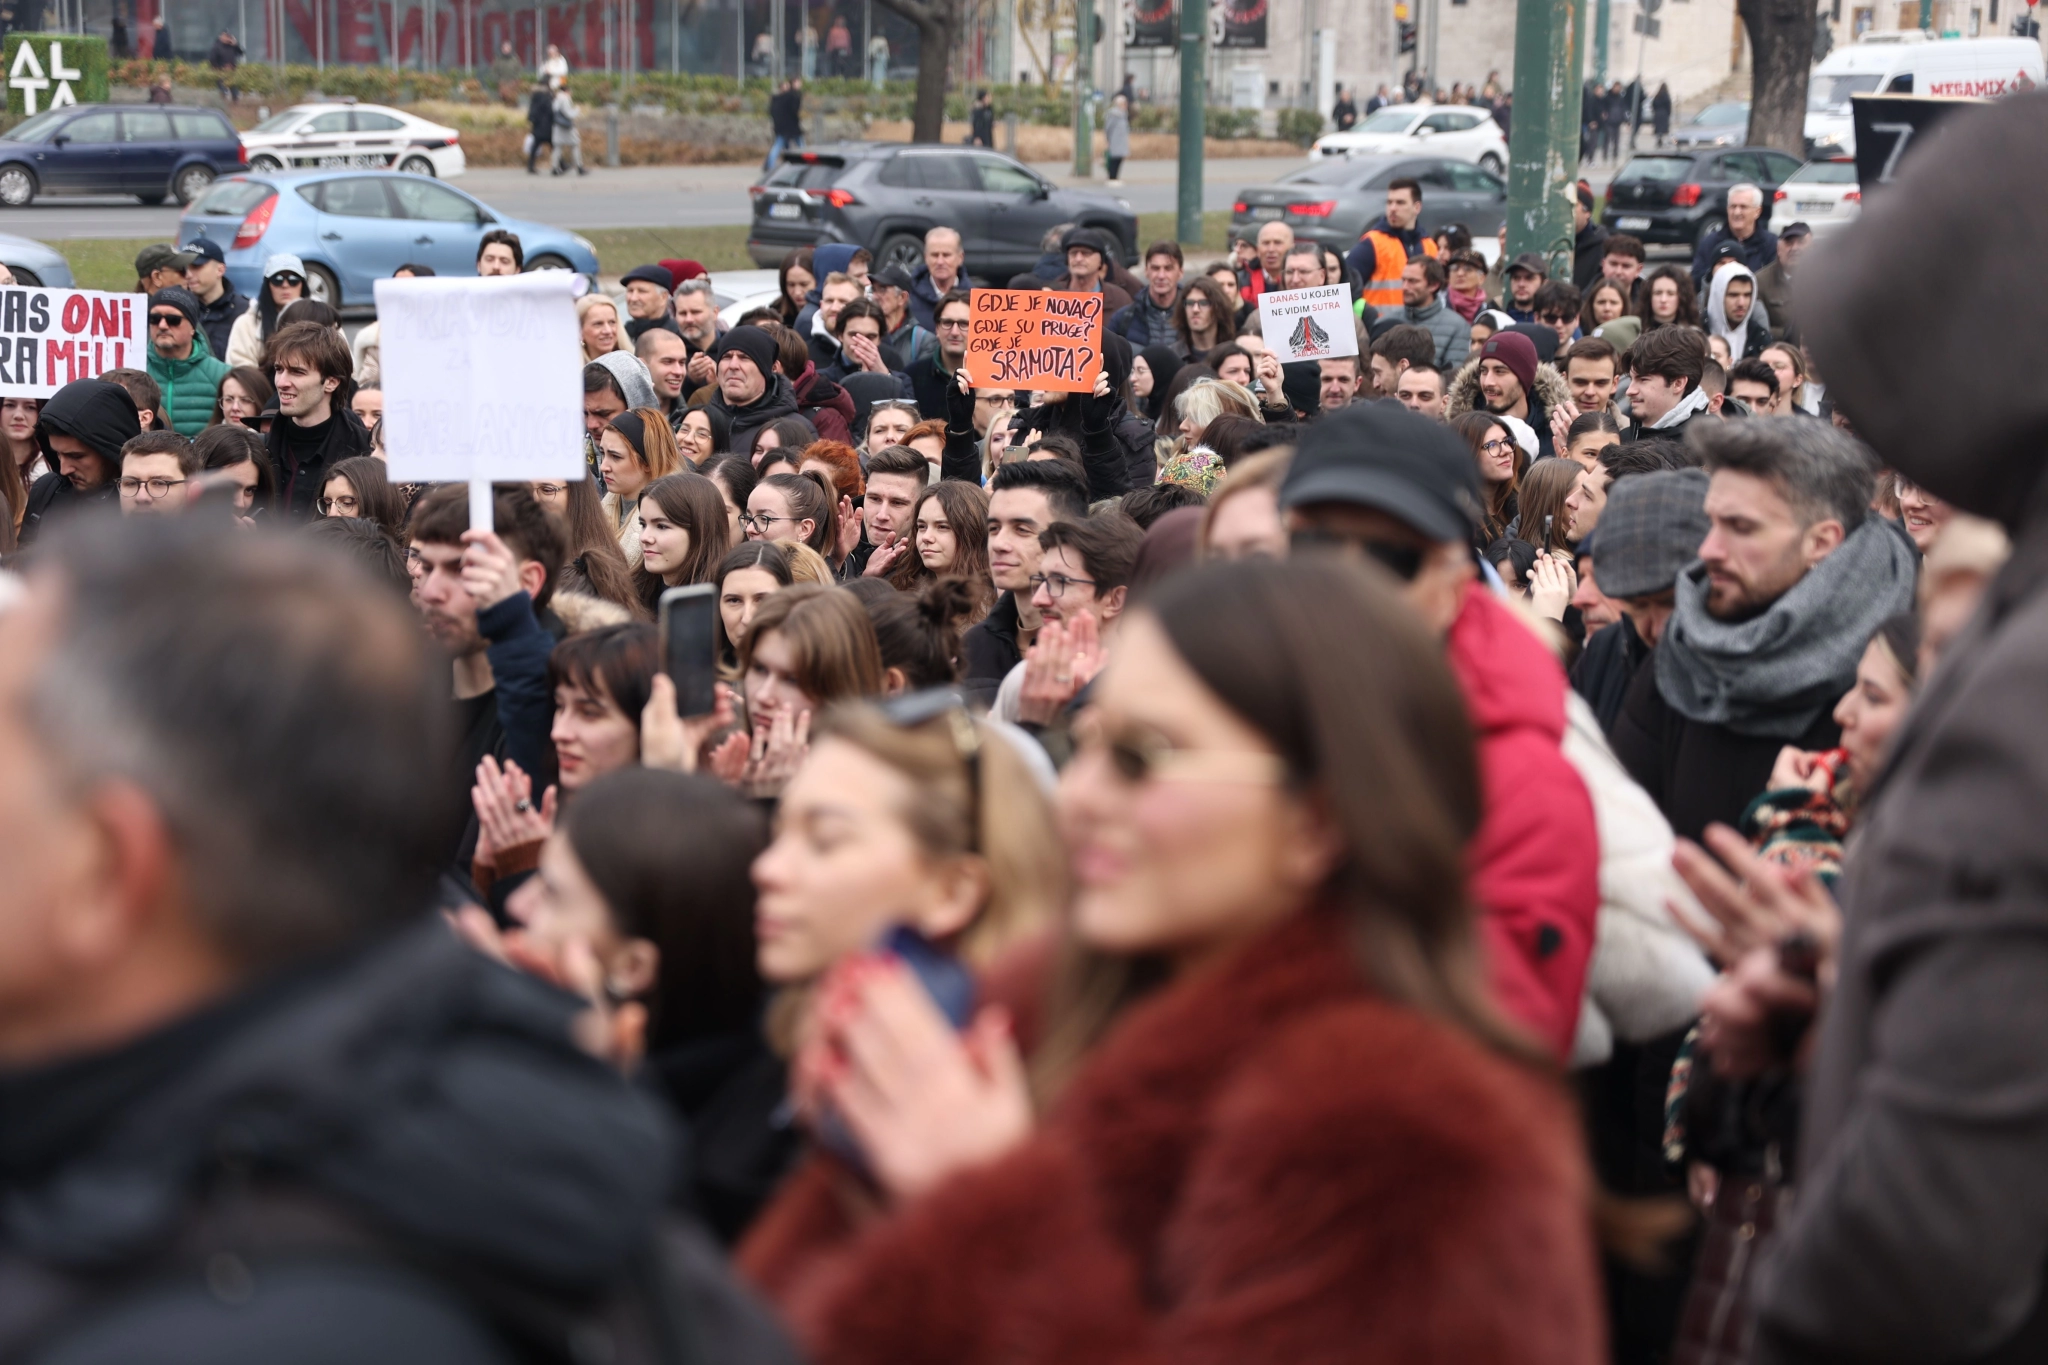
point(53, 498)
point(302, 465)
point(217, 319)
point(778, 400)
point(982, 129)
point(540, 115)
point(99, 414)
point(989, 650)
point(728, 1090)
point(432, 1157)
point(1588, 249)
point(1605, 667)
point(929, 385)
point(1698, 773)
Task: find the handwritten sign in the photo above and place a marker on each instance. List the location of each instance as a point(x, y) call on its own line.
point(1309, 324)
point(49, 337)
point(1031, 339)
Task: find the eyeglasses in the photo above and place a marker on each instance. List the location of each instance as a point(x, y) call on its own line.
point(1403, 561)
point(344, 505)
point(1140, 756)
point(167, 319)
point(914, 709)
point(1494, 447)
point(760, 521)
point(158, 488)
point(997, 400)
point(550, 490)
point(952, 324)
point(1056, 584)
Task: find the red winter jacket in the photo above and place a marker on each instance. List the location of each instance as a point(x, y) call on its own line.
point(1536, 860)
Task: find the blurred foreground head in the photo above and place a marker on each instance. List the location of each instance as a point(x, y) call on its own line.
point(1888, 334)
point(223, 755)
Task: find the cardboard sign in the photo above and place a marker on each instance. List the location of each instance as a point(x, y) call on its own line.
point(49, 337)
point(1309, 324)
point(1031, 339)
point(483, 378)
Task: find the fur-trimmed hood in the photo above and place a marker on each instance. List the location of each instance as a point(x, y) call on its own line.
point(580, 611)
point(1463, 395)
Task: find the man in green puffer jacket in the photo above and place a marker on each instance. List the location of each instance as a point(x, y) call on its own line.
point(180, 361)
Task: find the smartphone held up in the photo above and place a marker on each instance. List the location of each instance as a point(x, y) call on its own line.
point(689, 646)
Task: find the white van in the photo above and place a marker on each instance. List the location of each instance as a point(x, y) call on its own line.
point(1911, 62)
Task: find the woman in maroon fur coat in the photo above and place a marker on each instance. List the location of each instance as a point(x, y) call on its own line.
point(1277, 1120)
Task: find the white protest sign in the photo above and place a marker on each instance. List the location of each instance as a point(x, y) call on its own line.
point(49, 337)
point(1309, 324)
point(482, 381)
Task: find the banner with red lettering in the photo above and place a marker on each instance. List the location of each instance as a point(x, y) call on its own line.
point(49, 337)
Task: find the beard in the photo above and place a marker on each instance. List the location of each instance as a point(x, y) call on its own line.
point(1504, 403)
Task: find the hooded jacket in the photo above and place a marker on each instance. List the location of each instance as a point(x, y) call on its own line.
point(191, 386)
point(1263, 1162)
point(97, 412)
point(828, 407)
point(1463, 396)
point(424, 1099)
point(634, 381)
point(1536, 859)
point(776, 400)
point(1755, 333)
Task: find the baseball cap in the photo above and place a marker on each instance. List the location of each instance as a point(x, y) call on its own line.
point(894, 276)
point(162, 256)
point(206, 249)
point(1382, 456)
point(1795, 230)
point(284, 263)
point(1530, 261)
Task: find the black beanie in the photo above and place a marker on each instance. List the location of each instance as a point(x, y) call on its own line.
point(181, 299)
point(753, 343)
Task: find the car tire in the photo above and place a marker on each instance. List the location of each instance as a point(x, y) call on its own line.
point(1492, 165)
point(17, 186)
point(269, 165)
point(550, 261)
point(321, 285)
point(417, 165)
point(152, 200)
point(902, 250)
point(1707, 226)
point(191, 182)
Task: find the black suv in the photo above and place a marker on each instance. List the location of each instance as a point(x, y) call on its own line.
point(1680, 196)
point(885, 195)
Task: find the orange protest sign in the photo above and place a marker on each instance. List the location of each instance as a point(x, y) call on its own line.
point(1031, 339)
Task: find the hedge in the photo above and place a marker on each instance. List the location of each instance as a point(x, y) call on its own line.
point(86, 56)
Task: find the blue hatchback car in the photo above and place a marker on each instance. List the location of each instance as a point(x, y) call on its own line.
point(353, 228)
point(149, 151)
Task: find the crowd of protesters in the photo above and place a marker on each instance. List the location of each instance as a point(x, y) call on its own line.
point(1516, 845)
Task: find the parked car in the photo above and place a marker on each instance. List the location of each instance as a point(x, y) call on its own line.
point(1911, 61)
point(1331, 202)
point(739, 292)
point(1718, 125)
point(1824, 195)
point(886, 195)
point(1457, 131)
point(33, 263)
point(1676, 197)
point(353, 228)
point(149, 151)
point(351, 136)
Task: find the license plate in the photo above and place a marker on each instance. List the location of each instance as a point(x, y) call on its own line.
point(1268, 211)
point(358, 162)
point(785, 211)
point(1815, 205)
point(1632, 224)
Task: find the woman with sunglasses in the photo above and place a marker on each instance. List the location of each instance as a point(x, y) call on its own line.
point(284, 284)
point(1269, 1111)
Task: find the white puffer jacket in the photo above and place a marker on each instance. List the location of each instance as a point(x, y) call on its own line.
point(1647, 975)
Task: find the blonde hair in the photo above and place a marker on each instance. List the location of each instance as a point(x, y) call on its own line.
point(805, 564)
point(1263, 470)
point(592, 300)
point(1004, 818)
point(1207, 399)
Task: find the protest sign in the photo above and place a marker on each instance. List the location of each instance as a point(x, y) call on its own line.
point(1031, 339)
point(482, 381)
point(49, 337)
point(1309, 324)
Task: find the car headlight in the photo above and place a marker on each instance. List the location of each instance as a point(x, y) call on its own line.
point(1828, 140)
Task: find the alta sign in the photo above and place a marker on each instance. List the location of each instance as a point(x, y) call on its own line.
point(29, 77)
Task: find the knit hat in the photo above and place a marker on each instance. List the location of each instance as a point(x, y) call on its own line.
point(655, 275)
point(1087, 238)
point(753, 343)
point(1515, 351)
point(180, 299)
point(1383, 456)
point(1650, 530)
point(684, 270)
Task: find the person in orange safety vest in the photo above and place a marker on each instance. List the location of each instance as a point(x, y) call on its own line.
point(1389, 244)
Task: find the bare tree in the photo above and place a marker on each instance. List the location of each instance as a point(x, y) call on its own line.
point(1780, 59)
point(938, 29)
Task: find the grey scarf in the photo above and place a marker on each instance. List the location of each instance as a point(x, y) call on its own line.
point(1772, 675)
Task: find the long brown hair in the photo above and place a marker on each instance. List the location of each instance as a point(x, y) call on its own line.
point(830, 638)
point(1219, 309)
point(692, 502)
point(594, 563)
point(1544, 489)
point(966, 507)
point(765, 555)
point(1320, 655)
point(378, 497)
point(1501, 498)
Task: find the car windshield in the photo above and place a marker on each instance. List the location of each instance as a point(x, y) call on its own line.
point(277, 123)
point(1832, 92)
point(37, 129)
point(1734, 112)
point(1387, 121)
point(1826, 173)
point(1334, 171)
point(1656, 168)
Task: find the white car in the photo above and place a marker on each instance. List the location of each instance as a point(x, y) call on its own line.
point(1457, 131)
point(739, 292)
point(1824, 195)
point(349, 136)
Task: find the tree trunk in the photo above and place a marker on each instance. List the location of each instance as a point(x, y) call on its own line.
point(1780, 58)
point(938, 21)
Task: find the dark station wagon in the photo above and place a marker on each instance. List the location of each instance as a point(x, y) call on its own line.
point(151, 151)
